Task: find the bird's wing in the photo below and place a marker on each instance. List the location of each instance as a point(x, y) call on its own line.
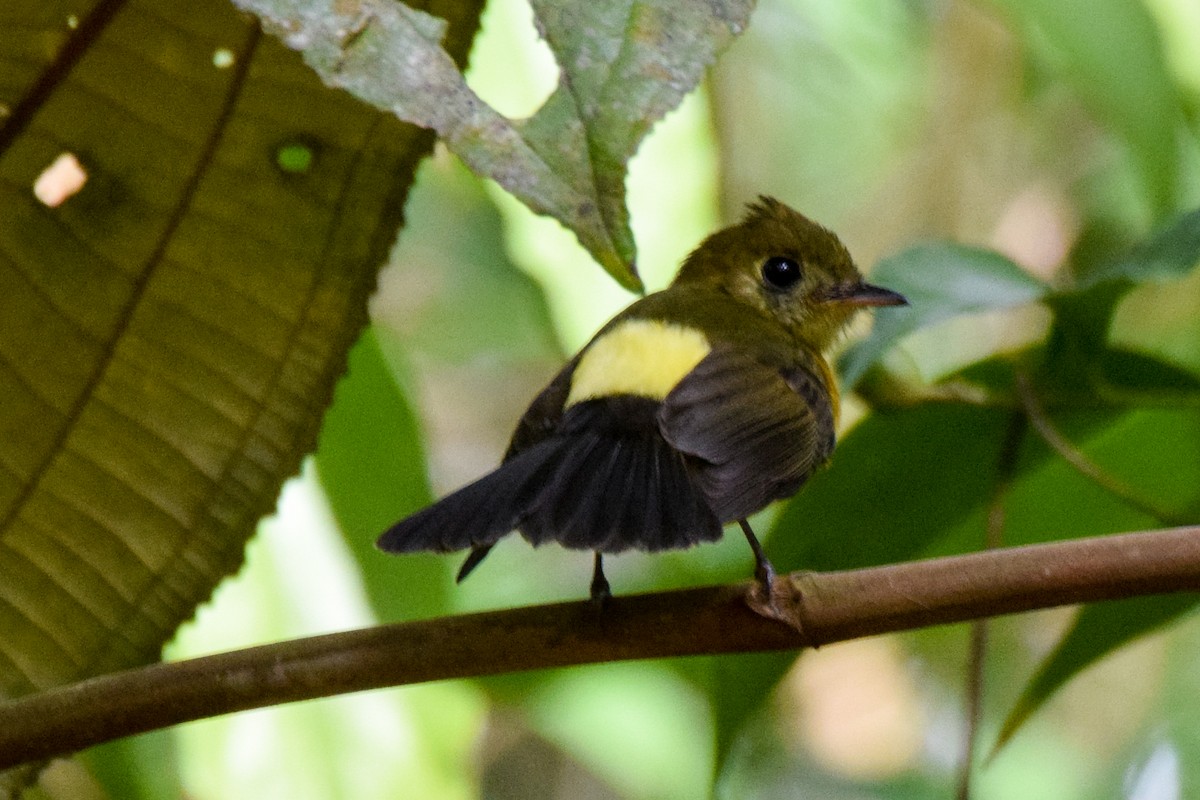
point(618, 486)
point(755, 433)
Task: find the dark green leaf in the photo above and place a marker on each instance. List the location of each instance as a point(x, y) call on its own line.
point(898, 483)
point(1152, 454)
point(371, 463)
point(940, 281)
point(738, 687)
point(1123, 369)
point(170, 331)
point(1168, 254)
point(1078, 342)
point(1155, 454)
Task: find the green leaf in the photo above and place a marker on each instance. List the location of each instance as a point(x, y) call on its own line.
point(623, 66)
point(940, 281)
point(1079, 337)
point(1111, 51)
point(1169, 254)
point(371, 463)
point(1098, 631)
point(120, 767)
point(1152, 453)
point(945, 280)
point(170, 331)
point(737, 687)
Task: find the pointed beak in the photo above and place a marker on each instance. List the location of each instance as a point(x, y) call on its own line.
point(864, 294)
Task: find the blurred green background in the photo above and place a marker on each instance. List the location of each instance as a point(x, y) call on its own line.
point(1032, 129)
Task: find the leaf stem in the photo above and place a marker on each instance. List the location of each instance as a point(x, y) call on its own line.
point(1006, 469)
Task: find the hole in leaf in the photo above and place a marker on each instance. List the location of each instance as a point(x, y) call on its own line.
point(60, 181)
point(512, 68)
point(295, 157)
point(223, 58)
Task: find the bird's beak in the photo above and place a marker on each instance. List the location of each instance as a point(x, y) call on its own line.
point(864, 295)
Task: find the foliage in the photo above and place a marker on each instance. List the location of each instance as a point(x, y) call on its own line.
point(623, 66)
point(172, 328)
point(172, 333)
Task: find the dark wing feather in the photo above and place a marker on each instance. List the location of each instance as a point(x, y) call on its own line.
point(605, 480)
point(480, 513)
point(618, 485)
point(754, 438)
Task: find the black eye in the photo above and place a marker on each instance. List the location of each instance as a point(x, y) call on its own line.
point(781, 272)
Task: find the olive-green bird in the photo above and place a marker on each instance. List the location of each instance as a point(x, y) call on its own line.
point(695, 406)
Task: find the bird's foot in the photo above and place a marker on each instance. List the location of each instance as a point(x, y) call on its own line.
point(600, 591)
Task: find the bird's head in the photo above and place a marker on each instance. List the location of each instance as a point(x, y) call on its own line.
point(788, 267)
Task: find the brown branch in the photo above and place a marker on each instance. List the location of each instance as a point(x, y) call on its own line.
point(836, 606)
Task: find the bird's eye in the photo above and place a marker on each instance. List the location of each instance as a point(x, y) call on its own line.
point(781, 272)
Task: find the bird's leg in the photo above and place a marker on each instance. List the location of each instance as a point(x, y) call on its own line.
point(762, 567)
point(600, 590)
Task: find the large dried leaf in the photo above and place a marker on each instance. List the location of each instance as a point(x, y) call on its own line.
point(624, 64)
point(171, 331)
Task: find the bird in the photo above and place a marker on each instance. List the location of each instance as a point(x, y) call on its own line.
point(693, 408)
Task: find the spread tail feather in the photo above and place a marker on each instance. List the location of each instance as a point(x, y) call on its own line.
point(618, 487)
point(607, 483)
point(480, 513)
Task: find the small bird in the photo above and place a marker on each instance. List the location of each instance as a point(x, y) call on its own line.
point(695, 406)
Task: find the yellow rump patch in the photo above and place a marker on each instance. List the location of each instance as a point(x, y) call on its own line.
point(641, 357)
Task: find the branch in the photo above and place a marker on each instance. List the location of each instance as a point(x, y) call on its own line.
point(823, 607)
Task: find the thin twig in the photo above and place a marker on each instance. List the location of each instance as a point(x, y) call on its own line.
point(836, 606)
point(976, 657)
point(1083, 465)
point(993, 538)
